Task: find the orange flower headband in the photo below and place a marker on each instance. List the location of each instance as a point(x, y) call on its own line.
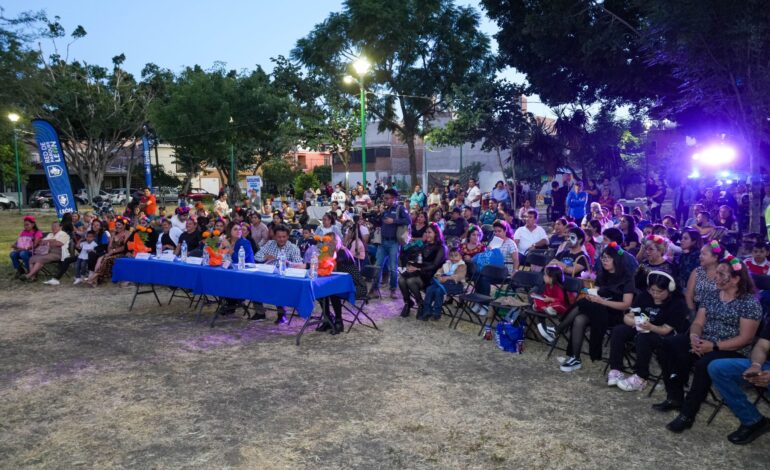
point(123, 220)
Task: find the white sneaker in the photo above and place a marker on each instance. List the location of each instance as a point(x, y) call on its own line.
point(571, 364)
point(561, 359)
point(483, 311)
point(475, 308)
point(546, 334)
point(52, 282)
point(551, 311)
point(614, 377)
point(77, 281)
point(632, 384)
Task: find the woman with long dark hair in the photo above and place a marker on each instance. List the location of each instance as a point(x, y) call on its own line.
point(418, 275)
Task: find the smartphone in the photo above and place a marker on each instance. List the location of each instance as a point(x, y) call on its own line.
point(751, 374)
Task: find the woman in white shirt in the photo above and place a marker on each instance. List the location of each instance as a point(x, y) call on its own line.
point(54, 247)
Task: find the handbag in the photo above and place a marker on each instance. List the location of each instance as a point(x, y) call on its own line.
point(510, 337)
point(494, 257)
point(377, 236)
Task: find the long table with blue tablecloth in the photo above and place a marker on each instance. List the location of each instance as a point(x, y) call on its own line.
point(272, 289)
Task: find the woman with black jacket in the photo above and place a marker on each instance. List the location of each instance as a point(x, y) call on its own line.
point(419, 272)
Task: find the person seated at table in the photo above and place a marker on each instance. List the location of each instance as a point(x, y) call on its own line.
point(417, 276)
point(724, 327)
point(269, 253)
point(179, 219)
point(233, 241)
point(118, 248)
point(191, 236)
point(600, 310)
point(345, 263)
point(219, 225)
point(53, 247)
point(573, 259)
point(663, 311)
point(729, 377)
point(28, 239)
point(165, 236)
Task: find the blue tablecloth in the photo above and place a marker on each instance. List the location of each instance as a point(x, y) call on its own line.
point(259, 287)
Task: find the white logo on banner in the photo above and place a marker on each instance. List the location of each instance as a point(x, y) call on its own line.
point(55, 171)
point(63, 200)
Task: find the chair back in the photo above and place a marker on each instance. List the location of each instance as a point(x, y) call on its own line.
point(761, 281)
point(370, 272)
point(535, 261)
point(526, 279)
point(495, 274)
point(572, 284)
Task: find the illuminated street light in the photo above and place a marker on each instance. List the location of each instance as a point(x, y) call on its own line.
point(361, 66)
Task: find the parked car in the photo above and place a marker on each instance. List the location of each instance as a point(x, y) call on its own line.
point(119, 196)
point(167, 195)
point(198, 194)
point(6, 203)
point(41, 198)
point(13, 196)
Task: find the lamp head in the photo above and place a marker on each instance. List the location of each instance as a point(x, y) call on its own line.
point(348, 79)
point(13, 117)
point(361, 66)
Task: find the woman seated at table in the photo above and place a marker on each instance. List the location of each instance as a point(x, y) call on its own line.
point(233, 241)
point(724, 327)
point(660, 312)
point(53, 247)
point(418, 276)
point(117, 248)
point(573, 259)
point(165, 236)
point(345, 263)
point(615, 294)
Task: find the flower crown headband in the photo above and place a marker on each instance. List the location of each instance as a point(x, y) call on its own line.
point(616, 247)
point(657, 239)
point(735, 263)
point(123, 220)
point(715, 248)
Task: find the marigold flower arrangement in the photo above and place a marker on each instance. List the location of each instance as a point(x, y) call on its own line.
point(137, 243)
point(216, 255)
point(326, 258)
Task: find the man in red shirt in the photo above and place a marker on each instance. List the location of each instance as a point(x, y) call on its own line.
point(149, 203)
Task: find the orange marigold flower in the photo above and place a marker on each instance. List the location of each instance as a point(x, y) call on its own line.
point(317, 238)
point(324, 249)
point(206, 234)
point(327, 238)
point(217, 233)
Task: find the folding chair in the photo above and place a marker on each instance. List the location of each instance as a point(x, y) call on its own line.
point(357, 309)
point(185, 294)
point(498, 277)
point(522, 283)
point(535, 261)
point(371, 274)
point(573, 286)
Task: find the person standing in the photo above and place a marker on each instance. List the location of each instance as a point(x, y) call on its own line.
point(558, 200)
point(393, 216)
point(684, 197)
point(576, 202)
point(417, 197)
point(473, 198)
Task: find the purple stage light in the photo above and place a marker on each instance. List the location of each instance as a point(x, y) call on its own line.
point(715, 155)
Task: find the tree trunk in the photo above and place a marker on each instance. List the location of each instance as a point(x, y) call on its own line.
point(412, 160)
point(129, 169)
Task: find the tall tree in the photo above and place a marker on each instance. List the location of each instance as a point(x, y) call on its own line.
point(97, 110)
point(419, 50)
point(677, 58)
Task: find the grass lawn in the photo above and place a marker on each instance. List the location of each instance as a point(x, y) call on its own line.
point(11, 225)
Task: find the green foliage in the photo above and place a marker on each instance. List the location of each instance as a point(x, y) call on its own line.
point(8, 164)
point(470, 171)
point(278, 174)
point(304, 181)
point(323, 173)
point(419, 52)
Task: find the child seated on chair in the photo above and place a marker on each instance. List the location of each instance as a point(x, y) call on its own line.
point(554, 301)
point(448, 280)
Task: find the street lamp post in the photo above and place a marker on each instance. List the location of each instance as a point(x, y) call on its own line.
point(233, 177)
point(361, 66)
point(14, 118)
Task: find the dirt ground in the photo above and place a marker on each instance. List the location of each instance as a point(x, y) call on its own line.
point(86, 384)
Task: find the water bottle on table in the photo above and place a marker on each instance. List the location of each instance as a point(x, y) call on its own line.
point(241, 259)
point(159, 247)
point(205, 261)
point(184, 250)
point(314, 266)
point(281, 263)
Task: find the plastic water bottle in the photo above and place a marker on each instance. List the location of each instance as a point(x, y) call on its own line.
point(184, 250)
point(241, 259)
point(205, 261)
point(419, 258)
point(314, 266)
point(159, 247)
point(281, 263)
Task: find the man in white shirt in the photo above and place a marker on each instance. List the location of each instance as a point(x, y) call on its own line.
point(473, 198)
point(339, 195)
point(530, 235)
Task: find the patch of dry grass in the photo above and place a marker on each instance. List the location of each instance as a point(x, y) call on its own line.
point(86, 383)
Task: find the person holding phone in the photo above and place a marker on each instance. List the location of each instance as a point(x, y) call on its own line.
point(723, 328)
point(729, 375)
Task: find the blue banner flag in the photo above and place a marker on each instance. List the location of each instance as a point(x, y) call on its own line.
point(52, 159)
point(147, 161)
